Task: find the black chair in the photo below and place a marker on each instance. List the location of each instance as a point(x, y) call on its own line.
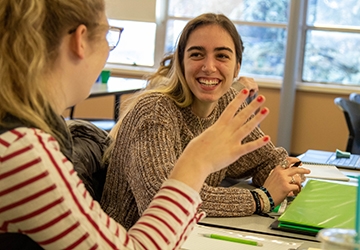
point(355, 97)
point(104, 124)
point(351, 111)
point(89, 145)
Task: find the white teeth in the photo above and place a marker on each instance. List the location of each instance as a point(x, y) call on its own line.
point(209, 82)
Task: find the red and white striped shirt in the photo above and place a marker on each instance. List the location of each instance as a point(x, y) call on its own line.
point(42, 196)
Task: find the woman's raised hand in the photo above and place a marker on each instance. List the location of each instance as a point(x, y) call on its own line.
point(220, 145)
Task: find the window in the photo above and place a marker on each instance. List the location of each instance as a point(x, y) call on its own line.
point(330, 36)
point(137, 43)
point(261, 24)
point(332, 47)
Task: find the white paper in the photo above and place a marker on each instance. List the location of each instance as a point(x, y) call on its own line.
point(328, 172)
point(197, 241)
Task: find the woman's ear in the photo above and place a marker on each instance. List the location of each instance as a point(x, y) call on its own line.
point(78, 41)
point(237, 70)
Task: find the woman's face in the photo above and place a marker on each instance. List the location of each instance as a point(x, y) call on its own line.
point(97, 54)
point(210, 63)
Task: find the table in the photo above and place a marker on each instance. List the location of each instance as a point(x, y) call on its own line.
point(260, 225)
point(196, 241)
point(116, 86)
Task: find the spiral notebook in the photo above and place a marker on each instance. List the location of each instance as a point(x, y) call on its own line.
point(328, 172)
point(329, 158)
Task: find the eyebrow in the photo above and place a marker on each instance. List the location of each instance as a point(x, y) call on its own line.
point(202, 49)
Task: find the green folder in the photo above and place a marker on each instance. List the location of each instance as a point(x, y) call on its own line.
point(321, 204)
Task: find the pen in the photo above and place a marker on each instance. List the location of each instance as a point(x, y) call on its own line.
point(232, 239)
point(296, 164)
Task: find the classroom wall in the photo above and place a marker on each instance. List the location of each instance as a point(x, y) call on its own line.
point(317, 124)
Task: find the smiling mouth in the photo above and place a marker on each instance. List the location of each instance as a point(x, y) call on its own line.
point(208, 82)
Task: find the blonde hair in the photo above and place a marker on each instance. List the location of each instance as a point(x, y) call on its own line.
point(169, 79)
point(30, 35)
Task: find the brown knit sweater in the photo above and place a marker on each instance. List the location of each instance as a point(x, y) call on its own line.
point(151, 139)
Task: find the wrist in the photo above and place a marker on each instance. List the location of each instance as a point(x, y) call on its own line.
point(255, 195)
point(265, 203)
point(186, 172)
point(269, 197)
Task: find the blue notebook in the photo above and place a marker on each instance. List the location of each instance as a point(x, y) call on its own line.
point(329, 158)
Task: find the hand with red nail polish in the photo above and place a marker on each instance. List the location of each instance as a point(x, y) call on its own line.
point(221, 143)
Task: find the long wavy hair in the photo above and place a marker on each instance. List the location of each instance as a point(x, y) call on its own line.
point(30, 36)
point(169, 79)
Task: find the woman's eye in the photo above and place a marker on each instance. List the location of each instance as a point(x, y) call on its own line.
point(223, 56)
point(195, 54)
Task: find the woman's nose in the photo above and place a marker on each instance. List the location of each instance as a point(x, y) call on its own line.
point(208, 66)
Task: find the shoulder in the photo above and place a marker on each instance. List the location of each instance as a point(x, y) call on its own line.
point(29, 147)
point(154, 106)
point(23, 136)
point(155, 100)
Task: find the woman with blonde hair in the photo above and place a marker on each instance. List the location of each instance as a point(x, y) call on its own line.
point(187, 95)
point(51, 52)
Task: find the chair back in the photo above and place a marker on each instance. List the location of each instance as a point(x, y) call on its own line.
point(355, 97)
point(351, 111)
point(89, 145)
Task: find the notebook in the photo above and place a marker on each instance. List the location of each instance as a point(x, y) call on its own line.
point(328, 172)
point(327, 157)
point(321, 204)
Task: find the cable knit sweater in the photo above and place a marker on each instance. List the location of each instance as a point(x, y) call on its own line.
point(152, 137)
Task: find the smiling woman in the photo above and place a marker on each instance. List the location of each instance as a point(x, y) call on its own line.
point(47, 65)
point(186, 96)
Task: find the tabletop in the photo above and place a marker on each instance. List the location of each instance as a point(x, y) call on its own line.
point(260, 225)
point(117, 86)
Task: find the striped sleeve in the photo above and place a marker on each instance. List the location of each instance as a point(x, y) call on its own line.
point(41, 196)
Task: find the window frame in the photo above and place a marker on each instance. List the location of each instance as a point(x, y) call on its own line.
point(329, 86)
point(161, 27)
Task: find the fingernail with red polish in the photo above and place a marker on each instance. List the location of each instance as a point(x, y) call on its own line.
point(260, 98)
point(266, 138)
point(245, 91)
point(263, 111)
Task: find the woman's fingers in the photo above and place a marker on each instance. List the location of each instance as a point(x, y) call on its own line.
point(233, 107)
point(222, 141)
point(250, 84)
point(229, 113)
point(243, 116)
point(240, 125)
point(293, 160)
point(220, 145)
point(282, 182)
point(297, 170)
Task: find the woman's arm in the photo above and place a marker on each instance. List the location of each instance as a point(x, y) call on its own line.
point(41, 196)
point(154, 154)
